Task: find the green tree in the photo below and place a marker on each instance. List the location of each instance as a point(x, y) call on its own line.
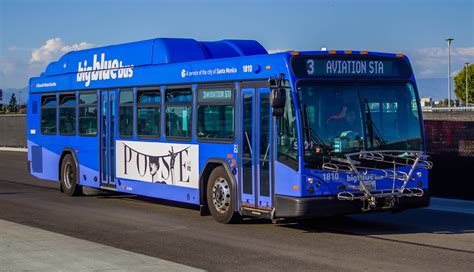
point(12, 105)
point(460, 84)
point(445, 103)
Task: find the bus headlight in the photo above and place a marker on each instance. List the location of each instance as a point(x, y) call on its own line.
point(419, 174)
point(310, 180)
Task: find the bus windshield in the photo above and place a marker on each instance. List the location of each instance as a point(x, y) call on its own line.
point(339, 118)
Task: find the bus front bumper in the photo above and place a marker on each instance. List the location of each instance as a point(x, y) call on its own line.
point(304, 207)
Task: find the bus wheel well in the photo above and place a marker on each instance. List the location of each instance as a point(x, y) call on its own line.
point(210, 165)
point(60, 162)
point(204, 179)
point(65, 152)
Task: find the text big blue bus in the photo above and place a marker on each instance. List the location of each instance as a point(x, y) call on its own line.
point(231, 128)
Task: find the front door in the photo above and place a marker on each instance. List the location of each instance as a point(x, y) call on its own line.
point(107, 139)
point(256, 149)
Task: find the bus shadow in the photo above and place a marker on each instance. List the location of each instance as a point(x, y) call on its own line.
point(11, 193)
point(143, 199)
point(408, 222)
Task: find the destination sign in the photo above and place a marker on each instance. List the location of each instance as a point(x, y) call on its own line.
point(341, 66)
point(215, 95)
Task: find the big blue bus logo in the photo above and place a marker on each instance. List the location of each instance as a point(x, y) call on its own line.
point(102, 70)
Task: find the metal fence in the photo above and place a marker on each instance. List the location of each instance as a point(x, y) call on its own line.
point(450, 145)
point(13, 130)
point(447, 109)
point(450, 137)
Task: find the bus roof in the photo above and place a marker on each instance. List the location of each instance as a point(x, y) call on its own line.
point(153, 52)
point(175, 61)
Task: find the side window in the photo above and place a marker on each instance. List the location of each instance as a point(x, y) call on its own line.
point(149, 112)
point(216, 114)
point(88, 114)
point(126, 113)
point(48, 114)
point(178, 107)
point(67, 114)
point(287, 134)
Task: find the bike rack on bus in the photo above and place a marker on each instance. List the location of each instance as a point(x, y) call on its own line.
point(353, 163)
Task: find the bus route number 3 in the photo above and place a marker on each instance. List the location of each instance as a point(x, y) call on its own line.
point(310, 66)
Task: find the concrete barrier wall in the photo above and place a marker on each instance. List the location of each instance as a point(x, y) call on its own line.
point(13, 130)
point(452, 137)
point(450, 145)
point(451, 176)
point(449, 116)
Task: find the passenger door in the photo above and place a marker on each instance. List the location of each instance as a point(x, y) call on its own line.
point(107, 138)
point(256, 149)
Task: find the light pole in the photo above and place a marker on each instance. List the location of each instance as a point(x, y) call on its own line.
point(449, 40)
point(467, 87)
point(19, 102)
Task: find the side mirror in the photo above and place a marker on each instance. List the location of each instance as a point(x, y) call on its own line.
point(273, 82)
point(277, 100)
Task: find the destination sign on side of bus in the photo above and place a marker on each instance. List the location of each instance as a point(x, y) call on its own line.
point(215, 95)
point(350, 66)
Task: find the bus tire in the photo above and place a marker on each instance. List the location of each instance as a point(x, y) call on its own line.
point(221, 196)
point(69, 176)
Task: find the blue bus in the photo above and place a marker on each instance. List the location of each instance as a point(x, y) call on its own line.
point(231, 128)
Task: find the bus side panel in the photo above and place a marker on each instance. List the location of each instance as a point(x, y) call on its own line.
point(42, 153)
point(44, 159)
point(166, 170)
point(178, 193)
point(45, 152)
point(222, 151)
point(32, 124)
point(159, 190)
point(207, 151)
point(287, 181)
point(87, 154)
point(225, 151)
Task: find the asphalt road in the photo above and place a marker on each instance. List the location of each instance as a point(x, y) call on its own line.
point(420, 239)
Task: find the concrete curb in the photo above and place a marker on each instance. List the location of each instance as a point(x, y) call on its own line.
point(13, 149)
point(26, 248)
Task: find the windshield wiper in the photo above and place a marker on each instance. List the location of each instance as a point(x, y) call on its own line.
point(311, 133)
point(374, 133)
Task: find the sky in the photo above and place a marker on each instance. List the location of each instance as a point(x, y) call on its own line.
point(34, 33)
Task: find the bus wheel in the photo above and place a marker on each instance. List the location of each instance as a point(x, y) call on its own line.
point(220, 196)
point(69, 177)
